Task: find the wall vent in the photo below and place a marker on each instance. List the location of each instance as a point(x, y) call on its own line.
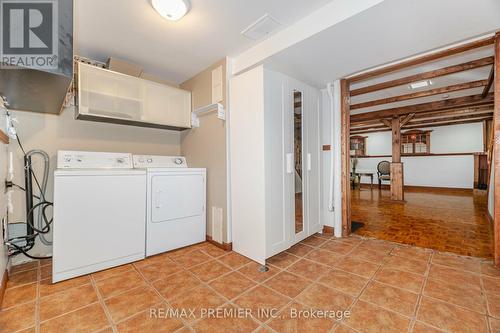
point(261, 28)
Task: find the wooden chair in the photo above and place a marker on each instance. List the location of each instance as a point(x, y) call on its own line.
point(383, 172)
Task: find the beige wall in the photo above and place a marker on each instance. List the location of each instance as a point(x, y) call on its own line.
point(52, 133)
point(205, 147)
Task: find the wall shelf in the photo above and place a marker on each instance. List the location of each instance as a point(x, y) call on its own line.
point(216, 107)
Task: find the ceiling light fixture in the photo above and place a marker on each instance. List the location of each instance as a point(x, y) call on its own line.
point(171, 9)
point(421, 84)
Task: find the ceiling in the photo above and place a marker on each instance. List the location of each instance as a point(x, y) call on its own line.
point(394, 99)
point(175, 51)
point(477, 74)
point(390, 31)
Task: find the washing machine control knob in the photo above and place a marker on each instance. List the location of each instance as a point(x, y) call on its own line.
point(179, 161)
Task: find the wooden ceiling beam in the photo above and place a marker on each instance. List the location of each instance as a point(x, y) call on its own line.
point(409, 120)
point(488, 86)
point(458, 122)
point(425, 76)
point(424, 125)
point(386, 122)
point(446, 119)
point(404, 120)
point(434, 113)
point(420, 94)
point(455, 112)
point(423, 59)
point(431, 115)
point(453, 103)
point(369, 127)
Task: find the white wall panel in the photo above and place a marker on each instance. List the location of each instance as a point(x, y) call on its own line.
point(432, 171)
point(248, 197)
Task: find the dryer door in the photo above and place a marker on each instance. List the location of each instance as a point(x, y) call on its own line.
point(177, 196)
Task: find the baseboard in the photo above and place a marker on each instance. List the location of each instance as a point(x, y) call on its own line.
point(327, 230)
point(421, 188)
point(3, 285)
point(223, 246)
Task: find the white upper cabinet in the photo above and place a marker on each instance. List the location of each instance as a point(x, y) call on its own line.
point(109, 96)
point(166, 105)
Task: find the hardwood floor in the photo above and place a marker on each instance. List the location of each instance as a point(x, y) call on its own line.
point(445, 220)
point(299, 219)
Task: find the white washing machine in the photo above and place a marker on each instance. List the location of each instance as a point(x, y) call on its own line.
point(176, 203)
point(99, 213)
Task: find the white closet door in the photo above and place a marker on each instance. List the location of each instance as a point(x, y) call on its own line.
point(278, 153)
point(313, 157)
point(296, 97)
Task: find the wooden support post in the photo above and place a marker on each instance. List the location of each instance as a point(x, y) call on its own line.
point(346, 158)
point(396, 140)
point(496, 148)
point(397, 181)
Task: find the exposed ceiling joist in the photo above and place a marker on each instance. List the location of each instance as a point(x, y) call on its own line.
point(409, 120)
point(448, 123)
point(455, 112)
point(447, 119)
point(435, 119)
point(432, 92)
point(423, 59)
point(467, 101)
point(424, 125)
point(488, 86)
point(425, 76)
point(433, 114)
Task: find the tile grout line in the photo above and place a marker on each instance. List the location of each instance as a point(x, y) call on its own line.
point(232, 300)
point(335, 323)
point(187, 324)
point(280, 270)
point(421, 292)
point(486, 303)
point(103, 304)
point(358, 297)
point(164, 300)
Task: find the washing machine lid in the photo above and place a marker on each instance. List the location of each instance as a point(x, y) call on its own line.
point(156, 161)
point(98, 172)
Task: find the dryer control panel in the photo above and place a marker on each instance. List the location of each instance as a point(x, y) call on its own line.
point(155, 161)
point(93, 160)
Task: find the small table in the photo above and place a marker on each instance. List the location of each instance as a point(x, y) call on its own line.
point(366, 174)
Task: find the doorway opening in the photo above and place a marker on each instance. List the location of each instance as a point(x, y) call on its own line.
point(417, 150)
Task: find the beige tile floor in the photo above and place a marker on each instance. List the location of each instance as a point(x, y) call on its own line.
point(376, 285)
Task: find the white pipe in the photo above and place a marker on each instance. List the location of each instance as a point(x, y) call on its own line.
point(337, 158)
point(329, 89)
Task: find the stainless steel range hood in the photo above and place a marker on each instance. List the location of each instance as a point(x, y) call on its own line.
point(42, 90)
